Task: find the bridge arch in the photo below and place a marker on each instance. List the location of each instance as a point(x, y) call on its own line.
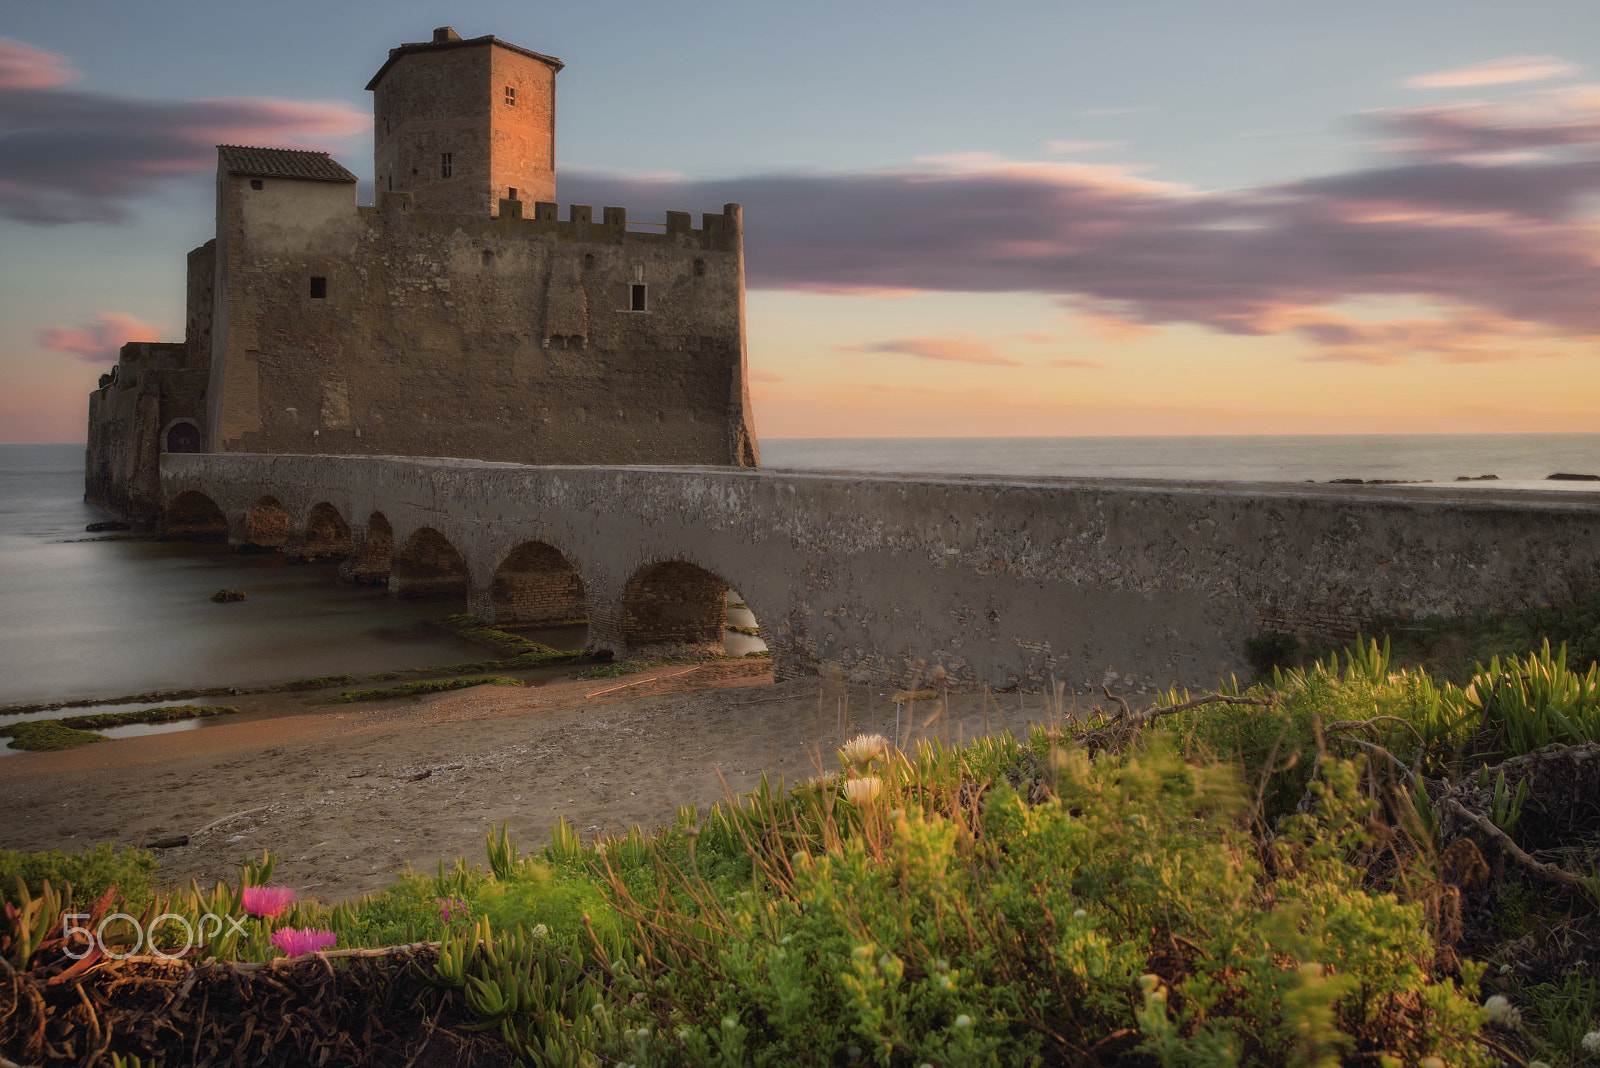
point(326, 535)
point(193, 516)
point(427, 564)
point(267, 526)
point(370, 562)
point(674, 603)
point(535, 584)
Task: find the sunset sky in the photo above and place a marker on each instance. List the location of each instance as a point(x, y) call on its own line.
point(1068, 217)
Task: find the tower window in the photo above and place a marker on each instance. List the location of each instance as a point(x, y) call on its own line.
point(512, 195)
point(511, 95)
point(391, 183)
point(638, 303)
point(257, 183)
point(319, 288)
point(444, 165)
point(699, 268)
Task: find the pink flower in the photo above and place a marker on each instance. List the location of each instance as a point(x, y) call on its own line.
point(266, 901)
point(295, 941)
point(450, 906)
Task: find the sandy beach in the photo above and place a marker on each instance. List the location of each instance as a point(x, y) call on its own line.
point(347, 795)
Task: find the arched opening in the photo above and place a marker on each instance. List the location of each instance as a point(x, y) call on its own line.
point(268, 528)
point(428, 564)
point(369, 565)
point(183, 437)
point(743, 632)
point(192, 516)
point(327, 536)
point(675, 603)
point(536, 585)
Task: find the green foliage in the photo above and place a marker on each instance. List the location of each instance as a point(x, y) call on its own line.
point(89, 874)
point(45, 735)
point(99, 721)
point(407, 689)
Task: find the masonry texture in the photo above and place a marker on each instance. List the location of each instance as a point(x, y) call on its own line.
point(461, 316)
point(1020, 582)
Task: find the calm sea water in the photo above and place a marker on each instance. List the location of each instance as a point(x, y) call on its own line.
point(84, 619)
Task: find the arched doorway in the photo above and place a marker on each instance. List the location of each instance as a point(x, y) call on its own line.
point(192, 516)
point(183, 437)
point(428, 564)
point(537, 585)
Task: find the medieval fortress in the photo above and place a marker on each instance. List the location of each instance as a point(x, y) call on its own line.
point(446, 320)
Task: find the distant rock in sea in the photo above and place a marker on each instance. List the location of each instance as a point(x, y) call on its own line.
point(1563, 476)
point(227, 596)
point(114, 524)
point(1477, 478)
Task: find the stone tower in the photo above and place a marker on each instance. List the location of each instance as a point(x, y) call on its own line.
point(461, 124)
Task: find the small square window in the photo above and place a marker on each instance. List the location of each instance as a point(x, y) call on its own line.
point(319, 288)
point(512, 195)
point(445, 165)
point(511, 95)
point(638, 299)
point(257, 183)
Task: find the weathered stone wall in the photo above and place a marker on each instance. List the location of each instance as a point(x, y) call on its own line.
point(129, 420)
point(462, 335)
point(1007, 582)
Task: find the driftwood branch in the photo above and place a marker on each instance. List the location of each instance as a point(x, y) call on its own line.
point(1549, 871)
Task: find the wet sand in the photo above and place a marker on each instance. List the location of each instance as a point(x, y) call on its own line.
point(347, 795)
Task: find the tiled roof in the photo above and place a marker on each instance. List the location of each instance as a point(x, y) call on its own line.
point(438, 46)
point(281, 163)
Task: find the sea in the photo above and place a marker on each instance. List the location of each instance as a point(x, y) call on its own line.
point(89, 617)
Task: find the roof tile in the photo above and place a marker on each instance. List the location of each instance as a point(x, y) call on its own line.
point(281, 163)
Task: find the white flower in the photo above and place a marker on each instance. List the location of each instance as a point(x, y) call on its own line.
point(963, 1021)
point(863, 749)
point(1591, 1042)
point(1502, 1013)
point(1079, 914)
point(862, 791)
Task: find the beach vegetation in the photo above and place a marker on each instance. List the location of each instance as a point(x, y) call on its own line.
point(47, 735)
point(90, 873)
point(1351, 862)
point(425, 686)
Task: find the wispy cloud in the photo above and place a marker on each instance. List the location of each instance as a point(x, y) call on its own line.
point(99, 339)
point(1069, 361)
point(944, 349)
point(1484, 209)
point(73, 155)
point(1038, 337)
point(1505, 71)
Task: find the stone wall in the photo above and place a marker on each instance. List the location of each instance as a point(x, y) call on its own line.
point(1021, 582)
point(463, 335)
point(130, 417)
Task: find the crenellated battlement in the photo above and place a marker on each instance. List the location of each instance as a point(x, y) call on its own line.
point(718, 231)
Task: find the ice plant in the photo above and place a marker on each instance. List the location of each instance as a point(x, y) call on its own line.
point(295, 941)
point(863, 749)
point(863, 790)
point(1502, 1013)
point(452, 907)
point(266, 901)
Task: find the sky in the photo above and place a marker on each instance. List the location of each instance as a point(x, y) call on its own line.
point(1039, 218)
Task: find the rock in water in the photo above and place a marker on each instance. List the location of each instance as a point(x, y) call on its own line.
point(227, 596)
point(1563, 476)
point(114, 524)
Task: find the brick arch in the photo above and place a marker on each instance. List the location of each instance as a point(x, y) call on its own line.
point(674, 603)
point(192, 516)
point(370, 563)
point(535, 584)
point(427, 564)
point(267, 526)
point(326, 535)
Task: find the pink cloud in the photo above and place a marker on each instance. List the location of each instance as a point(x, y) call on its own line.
point(99, 340)
point(944, 349)
point(1495, 72)
point(71, 155)
point(1461, 337)
point(1497, 235)
point(1069, 361)
point(1036, 336)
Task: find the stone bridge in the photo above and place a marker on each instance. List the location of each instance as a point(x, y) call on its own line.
point(1006, 582)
